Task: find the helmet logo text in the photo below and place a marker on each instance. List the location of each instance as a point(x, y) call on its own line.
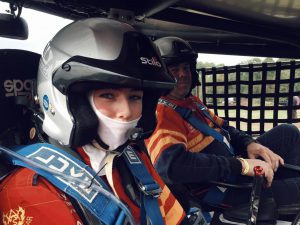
point(17, 87)
point(152, 61)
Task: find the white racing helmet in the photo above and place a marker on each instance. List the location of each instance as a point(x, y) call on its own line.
point(90, 54)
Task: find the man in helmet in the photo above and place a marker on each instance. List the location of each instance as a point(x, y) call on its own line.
point(192, 146)
point(98, 84)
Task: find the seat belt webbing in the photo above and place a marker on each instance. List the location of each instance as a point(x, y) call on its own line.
point(188, 115)
point(150, 190)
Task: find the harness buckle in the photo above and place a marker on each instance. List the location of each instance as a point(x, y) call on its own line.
point(151, 189)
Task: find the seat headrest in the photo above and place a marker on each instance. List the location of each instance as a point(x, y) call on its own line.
point(17, 77)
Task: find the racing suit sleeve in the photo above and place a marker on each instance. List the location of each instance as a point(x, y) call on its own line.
point(176, 165)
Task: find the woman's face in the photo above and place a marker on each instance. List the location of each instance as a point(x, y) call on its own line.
point(123, 104)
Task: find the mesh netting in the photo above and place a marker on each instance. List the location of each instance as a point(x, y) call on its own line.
point(254, 97)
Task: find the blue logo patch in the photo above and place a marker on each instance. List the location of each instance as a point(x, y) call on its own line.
point(46, 102)
point(131, 156)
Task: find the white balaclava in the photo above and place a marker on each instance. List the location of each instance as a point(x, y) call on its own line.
point(112, 132)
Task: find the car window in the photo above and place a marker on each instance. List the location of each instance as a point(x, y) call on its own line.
point(42, 27)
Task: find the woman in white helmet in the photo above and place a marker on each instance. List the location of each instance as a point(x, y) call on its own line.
point(98, 84)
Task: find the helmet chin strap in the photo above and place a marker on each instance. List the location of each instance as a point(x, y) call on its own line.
point(137, 134)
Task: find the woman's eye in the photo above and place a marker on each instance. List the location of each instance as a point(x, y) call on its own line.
point(136, 97)
point(106, 95)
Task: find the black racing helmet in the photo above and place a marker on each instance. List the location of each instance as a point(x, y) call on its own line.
point(90, 54)
point(175, 50)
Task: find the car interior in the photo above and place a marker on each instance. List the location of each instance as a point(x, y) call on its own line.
point(257, 28)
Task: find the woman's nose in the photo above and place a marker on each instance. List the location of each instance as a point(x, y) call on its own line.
point(125, 111)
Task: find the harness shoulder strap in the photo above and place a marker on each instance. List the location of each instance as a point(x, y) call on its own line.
point(71, 176)
point(150, 190)
point(126, 178)
point(188, 115)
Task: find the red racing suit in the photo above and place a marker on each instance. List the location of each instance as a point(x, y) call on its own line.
point(29, 199)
